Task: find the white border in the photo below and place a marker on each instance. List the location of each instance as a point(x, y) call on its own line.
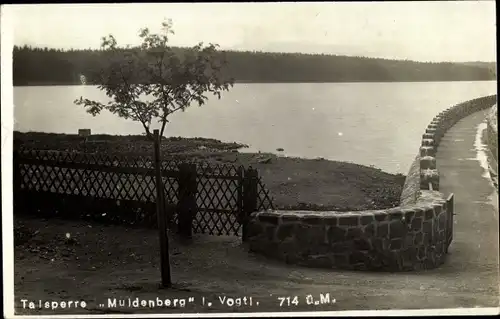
point(353, 313)
point(7, 126)
point(7, 122)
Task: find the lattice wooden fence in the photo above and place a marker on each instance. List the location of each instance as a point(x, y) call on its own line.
point(121, 189)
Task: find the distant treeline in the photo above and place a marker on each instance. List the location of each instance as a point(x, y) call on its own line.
point(43, 66)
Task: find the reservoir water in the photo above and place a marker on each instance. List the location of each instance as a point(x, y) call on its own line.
point(377, 124)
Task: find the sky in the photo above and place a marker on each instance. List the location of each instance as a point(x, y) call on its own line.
point(423, 31)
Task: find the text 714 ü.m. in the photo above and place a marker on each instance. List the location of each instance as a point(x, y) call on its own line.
point(291, 301)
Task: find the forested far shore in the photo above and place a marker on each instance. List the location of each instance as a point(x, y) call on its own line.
point(44, 66)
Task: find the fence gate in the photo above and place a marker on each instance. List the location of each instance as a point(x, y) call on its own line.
point(223, 198)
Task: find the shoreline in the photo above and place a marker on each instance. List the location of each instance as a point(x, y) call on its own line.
point(281, 82)
point(294, 183)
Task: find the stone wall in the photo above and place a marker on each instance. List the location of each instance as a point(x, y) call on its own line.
point(435, 132)
point(492, 143)
point(411, 188)
point(415, 235)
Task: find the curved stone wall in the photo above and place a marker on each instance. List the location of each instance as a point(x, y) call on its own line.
point(413, 236)
point(492, 143)
point(411, 188)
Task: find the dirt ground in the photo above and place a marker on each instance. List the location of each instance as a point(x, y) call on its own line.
point(100, 262)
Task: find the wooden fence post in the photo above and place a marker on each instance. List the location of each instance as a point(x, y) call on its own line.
point(166, 279)
point(187, 206)
point(250, 194)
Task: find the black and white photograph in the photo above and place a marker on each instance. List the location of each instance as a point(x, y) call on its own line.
point(249, 159)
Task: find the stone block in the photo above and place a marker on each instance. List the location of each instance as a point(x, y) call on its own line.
point(416, 224)
point(428, 176)
point(395, 262)
point(357, 257)
point(375, 263)
point(421, 253)
point(408, 215)
point(362, 244)
point(381, 216)
point(408, 240)
point(366, 219)
point(435, 184)
point(418, 239)
point(336, 234)
point(432, 133)
point(312, 235)
point(435, 227)
point(354, 233)
point(370, 230)
point(440, 201)
point(269, 218)
point(426, 239)
point(438, 208)
point(395, 214)
point(378, 244)
point(410, 253)
point(285, 230)
point(342, 247)
point(313, 220)
point(318, 249)
point(444, 206)
point(439, 251)
point(427, 142)
point(302, 232)
point(255, 229)
point(442, 236)
point(442, 221)
point(397, 229)
point(431, 253)
point(383, 230)
point(270, 232)
point(349, 221)
point(427, 226)
point(429, 173)
point(428, 136)
point(427, 151)
point(286, 218)
point(429, 212)
point(330, 220)
point(427, 162)
point(419, 212)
